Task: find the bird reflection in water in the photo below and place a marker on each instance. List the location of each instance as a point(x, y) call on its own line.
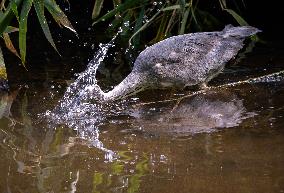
point(204, 112)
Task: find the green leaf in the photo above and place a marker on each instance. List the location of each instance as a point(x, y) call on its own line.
point(163, 24)
point(122, 7)
point(10, 29)
point(182, 5)
point(15, 9)
point(26, 7)
point(7, 16)
point(97, 8)
point(237, 17)
point(58, 15)
point(173, 7)
point(194, 17)
point(138, 24)
point(184, 21)
point(223, 4)
point(126, 23)
point(144, 26)
point(39, 7)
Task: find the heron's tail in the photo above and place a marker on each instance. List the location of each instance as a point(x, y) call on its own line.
point(241, 31)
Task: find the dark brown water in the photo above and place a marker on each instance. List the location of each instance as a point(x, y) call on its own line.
point(224, 140)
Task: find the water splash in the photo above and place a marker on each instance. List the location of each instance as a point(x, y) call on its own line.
point(82, 107)
point(83, 98)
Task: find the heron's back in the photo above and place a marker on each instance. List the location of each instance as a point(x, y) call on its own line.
point(192, 58)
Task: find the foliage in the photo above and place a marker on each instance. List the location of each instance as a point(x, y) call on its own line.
point(20, 10)
point(3, 74)
point(164, 18)
point(161, 18)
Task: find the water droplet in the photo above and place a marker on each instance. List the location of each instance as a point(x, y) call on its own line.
point(126, 24)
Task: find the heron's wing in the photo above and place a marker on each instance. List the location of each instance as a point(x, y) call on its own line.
point(192, 50)
point(182, 49)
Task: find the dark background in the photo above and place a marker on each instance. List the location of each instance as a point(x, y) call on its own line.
point(43, 61)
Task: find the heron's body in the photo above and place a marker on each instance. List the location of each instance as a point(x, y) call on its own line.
point(184, 60)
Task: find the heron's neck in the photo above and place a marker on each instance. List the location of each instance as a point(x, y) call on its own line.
point(132, 84)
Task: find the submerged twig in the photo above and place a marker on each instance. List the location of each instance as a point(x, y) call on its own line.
point(274, 77)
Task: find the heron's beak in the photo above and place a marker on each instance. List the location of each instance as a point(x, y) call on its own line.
point(132, 84)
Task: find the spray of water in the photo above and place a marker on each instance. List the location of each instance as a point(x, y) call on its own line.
point(82, 107)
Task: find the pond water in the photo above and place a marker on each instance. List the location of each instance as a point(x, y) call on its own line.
point(228, 139)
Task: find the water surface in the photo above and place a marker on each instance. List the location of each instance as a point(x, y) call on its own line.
point(224, 140)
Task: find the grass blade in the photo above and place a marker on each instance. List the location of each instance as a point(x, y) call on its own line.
point(3, 74)
point(9, 44)
point(7, 16)
point(223, 4)
point(237, 17)
point(182, 5)
point(125, 23)
point(26, 7)
point(171, 22)
point(144, 26)
point(174, 7)
point(10, 29)
point(14, 8)
point(193, 16)
point(138, 24)
point(2, 4)
point(122, 7)
point(97, 8)
point(39, 7)
point(184, 21)
point(162, 28)
point(115, 4)
point(58, 15)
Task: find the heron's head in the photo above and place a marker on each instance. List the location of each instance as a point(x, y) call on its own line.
point(132, 84)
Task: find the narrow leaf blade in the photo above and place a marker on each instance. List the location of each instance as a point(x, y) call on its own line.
point(58, 15)
point(15, 9)
point(97, 8)
point(144, 26)
point(39, 7)
point(237, 17)
point(26, 7)
point(138, 24)
point(7, 16)
point(10, 29)
point(120, 8)
point(9, 44)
